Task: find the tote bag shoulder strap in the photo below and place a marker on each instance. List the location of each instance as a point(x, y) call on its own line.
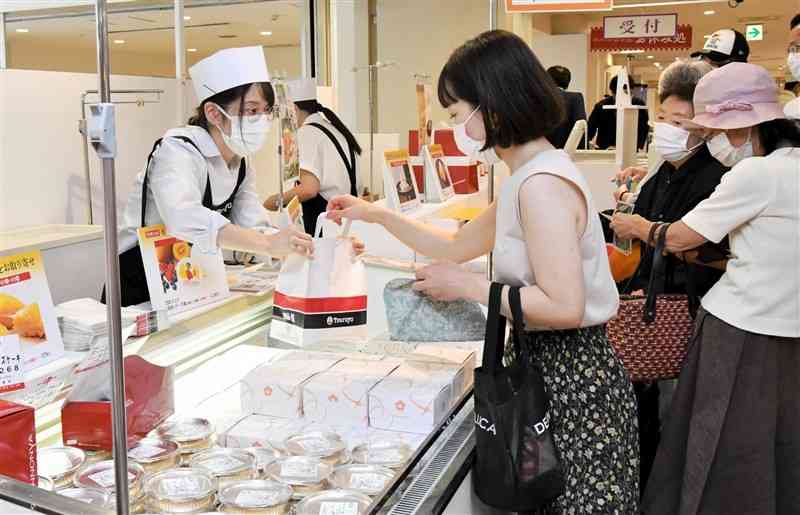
point(493, 343)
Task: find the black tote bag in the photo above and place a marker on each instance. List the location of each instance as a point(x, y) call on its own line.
point(517, 467)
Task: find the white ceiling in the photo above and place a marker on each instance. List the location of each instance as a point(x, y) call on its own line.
point(152, 32)
point(8, 6)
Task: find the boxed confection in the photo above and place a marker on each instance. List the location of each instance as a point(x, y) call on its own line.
point(86, 413)
point(17, 442)
point(414, 398)
point(260, 431)
point(276, 389)
point(341, 395)
point(463, 358)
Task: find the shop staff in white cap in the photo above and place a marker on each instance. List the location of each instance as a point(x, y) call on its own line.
point(197, 181)
point(328, 153)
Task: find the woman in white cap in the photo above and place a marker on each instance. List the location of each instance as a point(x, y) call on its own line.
point(327, 155)
point(197, 181)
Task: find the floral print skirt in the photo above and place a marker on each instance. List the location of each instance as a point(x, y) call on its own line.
point(593, 409)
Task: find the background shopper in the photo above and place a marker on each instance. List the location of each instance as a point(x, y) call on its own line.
point(724, 47)
point(546, 239)
point(603, 122)
point(732, 441)
point(573, 103)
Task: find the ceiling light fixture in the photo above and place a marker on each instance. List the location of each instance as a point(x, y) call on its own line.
point(266, 33)
point(119, 41)
point(187, 18)
point(23, 31)
point(651, 57)
point(191, 50)
point(709, 12)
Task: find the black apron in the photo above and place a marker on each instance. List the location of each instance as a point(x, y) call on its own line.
point(133, 281)
point(317, 205)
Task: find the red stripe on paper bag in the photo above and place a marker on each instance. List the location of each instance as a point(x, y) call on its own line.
point(320, 305)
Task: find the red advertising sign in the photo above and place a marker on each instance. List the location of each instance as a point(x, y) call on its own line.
point(682, 40)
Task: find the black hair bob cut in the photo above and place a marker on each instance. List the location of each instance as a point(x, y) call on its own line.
point(499, 73)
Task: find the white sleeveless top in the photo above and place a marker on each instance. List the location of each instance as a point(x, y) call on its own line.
point(511, 263)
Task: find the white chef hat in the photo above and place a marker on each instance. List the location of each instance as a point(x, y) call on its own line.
point(227, 69)
point(303, 89)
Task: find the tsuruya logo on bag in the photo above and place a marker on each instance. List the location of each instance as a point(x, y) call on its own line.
point(543, 425)
point(485, 424)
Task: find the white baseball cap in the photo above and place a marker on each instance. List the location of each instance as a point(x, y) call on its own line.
point(303, 89)
point(227, 69)
point(725, 45)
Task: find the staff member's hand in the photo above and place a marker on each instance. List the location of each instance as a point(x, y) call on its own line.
point(445, 281)
point(291, 241)
point(358, 245)
point(628, 226)
point(352, 208)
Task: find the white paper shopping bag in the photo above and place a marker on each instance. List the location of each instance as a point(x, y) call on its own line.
point(324, 298)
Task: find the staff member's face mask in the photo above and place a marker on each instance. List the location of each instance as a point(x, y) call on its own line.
point(470, 146)
point(247, 133)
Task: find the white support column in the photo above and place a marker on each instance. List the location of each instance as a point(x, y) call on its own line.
point(305, 39)
point(3, 47)
point(180, 63)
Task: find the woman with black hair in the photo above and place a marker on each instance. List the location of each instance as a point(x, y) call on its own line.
point(197, 181)
point(546, 240)
point(328, 153)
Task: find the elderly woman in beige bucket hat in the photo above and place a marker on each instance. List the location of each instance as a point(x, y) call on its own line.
point(732, 441)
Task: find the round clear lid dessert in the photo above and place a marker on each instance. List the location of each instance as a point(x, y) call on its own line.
point(318, 444)
point(185, 430)
point(102, 475)
point(300, 470)
point(344, 502)
point(180, 485)
point(151, 450)
point(367, 479)
point(57, 462)
point(88, 495)
point(388, 453)
point(256, 494)
point(265, 456)
point(223, 462)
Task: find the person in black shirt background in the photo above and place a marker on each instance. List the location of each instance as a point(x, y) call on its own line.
point(688, 176)
point(603, 122)
point(574, 103)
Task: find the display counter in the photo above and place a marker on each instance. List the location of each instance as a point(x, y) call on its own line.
point(211, 349)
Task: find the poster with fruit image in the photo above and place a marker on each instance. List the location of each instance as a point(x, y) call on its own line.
point(26, 310)
point(180, 277)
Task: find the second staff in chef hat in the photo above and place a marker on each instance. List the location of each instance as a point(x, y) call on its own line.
point(236, 97)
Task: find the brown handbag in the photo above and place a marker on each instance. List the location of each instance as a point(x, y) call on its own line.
point(651, 333)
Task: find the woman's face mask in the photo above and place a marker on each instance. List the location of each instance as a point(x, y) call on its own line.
point(673, 142)
point(723, 150)
point(470, 146)
point(247, 133)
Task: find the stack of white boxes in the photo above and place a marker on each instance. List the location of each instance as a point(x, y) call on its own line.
point(355, 395)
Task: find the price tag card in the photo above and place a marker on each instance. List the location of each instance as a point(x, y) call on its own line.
point(300, 470)
point(105, 478)
point(367, 482)
point(11, 364)
point(145, 452)
point(222, 464)
point(338, 508)
point(180, 486)
point(256, 498)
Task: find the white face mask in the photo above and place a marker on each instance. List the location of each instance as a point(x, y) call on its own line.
point(793, 61)
point(672, 142)
point(724, 152)
point(468, 146)
point(248, 133)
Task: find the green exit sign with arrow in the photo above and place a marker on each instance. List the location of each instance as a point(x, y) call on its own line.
point(754, 33)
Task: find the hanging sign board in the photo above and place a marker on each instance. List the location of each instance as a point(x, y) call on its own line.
point(682, 40)
point(640, 26)
point(544, 6)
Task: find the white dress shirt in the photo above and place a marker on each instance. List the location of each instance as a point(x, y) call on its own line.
point(319, 157)
point(176, 185)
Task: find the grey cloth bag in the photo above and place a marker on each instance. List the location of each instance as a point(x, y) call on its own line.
point(414, 317)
